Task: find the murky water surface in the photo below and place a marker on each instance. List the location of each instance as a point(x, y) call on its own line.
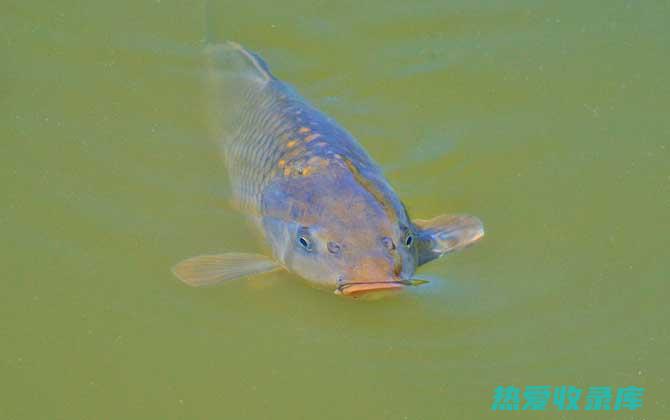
point(549, 121)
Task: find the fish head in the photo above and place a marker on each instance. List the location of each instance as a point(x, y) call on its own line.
point(347, 230)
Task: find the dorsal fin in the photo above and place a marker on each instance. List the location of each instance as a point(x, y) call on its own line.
point(239, 82)
point(232, 59)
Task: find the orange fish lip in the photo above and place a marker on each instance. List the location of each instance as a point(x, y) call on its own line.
point(359, 288)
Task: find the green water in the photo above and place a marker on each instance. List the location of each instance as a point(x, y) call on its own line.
point(548, 121)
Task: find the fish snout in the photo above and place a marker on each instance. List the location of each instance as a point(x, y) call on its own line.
point(369, 275)
point(355, 289)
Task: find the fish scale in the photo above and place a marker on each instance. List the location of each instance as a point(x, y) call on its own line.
point(270, 117)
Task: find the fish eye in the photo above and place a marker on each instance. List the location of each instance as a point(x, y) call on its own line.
point(388, 243)
point(334, 247)
point(409, 240)
point(305, 243)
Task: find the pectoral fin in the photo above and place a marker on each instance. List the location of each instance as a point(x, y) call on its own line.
point(208, 270)
point(447, 233)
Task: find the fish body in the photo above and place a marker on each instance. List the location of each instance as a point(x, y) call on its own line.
point(321, 202)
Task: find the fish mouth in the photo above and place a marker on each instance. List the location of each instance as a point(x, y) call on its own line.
point(361, 288)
